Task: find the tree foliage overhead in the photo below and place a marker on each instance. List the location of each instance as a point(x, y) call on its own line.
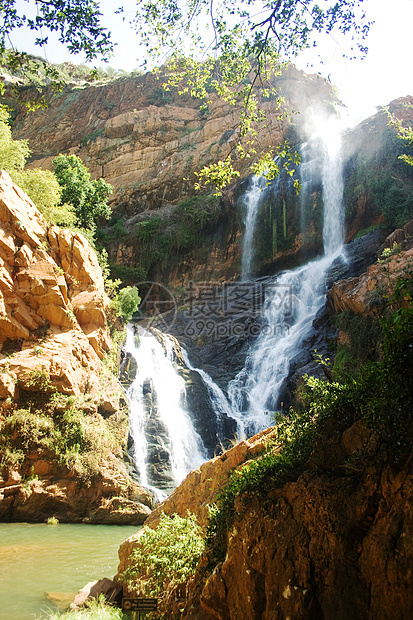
point(77, 23)
point(232, 46)
point(226, 46)
point(284, 27)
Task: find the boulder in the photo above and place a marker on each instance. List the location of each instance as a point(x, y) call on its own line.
point(363, 294)
point(120, 511)
point(94, 589)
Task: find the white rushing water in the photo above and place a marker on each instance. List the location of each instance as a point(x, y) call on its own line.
point(252, 200)
point(218, 400)
point(291, 305)
point(157, 373)
point(333, 187)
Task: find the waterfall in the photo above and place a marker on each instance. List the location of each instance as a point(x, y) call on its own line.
point(291, 305)
point(166, 446)
point(252, 200)
point(333, 229)
point(218, 400)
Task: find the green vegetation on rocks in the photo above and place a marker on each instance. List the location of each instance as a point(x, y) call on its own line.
point(385, 178)
point(165, 556)
point(158, 238)
point(60, 427)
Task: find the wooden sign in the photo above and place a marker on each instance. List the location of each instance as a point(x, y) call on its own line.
point(139, 604)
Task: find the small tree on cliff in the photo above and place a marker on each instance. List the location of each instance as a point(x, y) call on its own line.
point(40, 185)
point(89, 198)
point(126, 302)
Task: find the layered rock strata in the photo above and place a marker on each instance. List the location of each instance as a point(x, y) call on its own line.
point(54, 337)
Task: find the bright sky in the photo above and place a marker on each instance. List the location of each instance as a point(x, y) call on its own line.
point(363, 85)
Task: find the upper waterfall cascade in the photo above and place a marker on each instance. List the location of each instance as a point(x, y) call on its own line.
point(252, 200)
point(292, 302)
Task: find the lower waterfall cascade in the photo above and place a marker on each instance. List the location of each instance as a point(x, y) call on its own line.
point(157, 409)
point(291, 304)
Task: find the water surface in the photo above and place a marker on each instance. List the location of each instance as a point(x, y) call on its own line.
point(38, 558)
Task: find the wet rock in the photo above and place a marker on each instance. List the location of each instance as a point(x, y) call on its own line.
point(127, 369)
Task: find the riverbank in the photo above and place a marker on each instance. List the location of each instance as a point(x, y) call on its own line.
point(39, 558)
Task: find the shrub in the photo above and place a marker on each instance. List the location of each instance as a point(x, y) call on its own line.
point(126, 302)
point(128, 274)
point(72, 438)
point(146, 230)
point(164, 556)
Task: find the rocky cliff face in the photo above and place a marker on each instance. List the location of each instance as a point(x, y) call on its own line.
point(333, 544)
point(54, 336)
point(148, 143)
point(53, 301)
point(365, 294)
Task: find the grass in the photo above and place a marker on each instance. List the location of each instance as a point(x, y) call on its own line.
point(95, 610)
point(364, 231)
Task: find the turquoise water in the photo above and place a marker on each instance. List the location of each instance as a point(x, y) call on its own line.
point(38, 558)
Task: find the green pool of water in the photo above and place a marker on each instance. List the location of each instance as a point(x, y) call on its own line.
point(39, 558)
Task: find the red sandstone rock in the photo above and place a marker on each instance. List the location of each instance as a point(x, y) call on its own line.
point(58, 288)
point(359, 295)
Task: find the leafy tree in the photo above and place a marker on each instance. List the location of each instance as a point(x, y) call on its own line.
point(40, 185)
point(13, 153)
point(44, 190)
point(89, 198)
point(126, 302)
point(77, 23)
